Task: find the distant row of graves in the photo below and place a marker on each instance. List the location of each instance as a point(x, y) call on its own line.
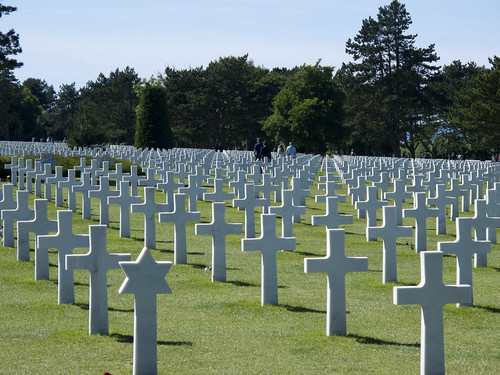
point(277, 189)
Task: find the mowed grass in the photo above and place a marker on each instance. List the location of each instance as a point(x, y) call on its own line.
point(221, 328)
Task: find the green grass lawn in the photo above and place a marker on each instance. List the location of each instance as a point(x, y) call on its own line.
point(221, 328)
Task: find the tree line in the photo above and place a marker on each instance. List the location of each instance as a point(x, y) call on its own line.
point(391, 99)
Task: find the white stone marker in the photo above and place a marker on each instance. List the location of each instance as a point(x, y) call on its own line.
point(389, 232)
point(69, 183)
point(481, 222)
point(399, 195)
point(193, 191)
point(464, 247)
point(332, 219)
point(65, 241)
point(336, 265)
point(431, 294)
point(133, 178)
point(39, 225)
point(98, 262)
point(218, 195)
point(169, 187)
point(180, 217)
point(85, 188)
point(145, 278)
point(248, 203)
point(420, 212)
point(21, 212)
point(218, 229)
point(7, 202)
point(371, 205)
point(287, 211)
point(124, 200)
point(58, 177)
point(268, 244)
point(299, 194)
point(102, 194)
point(149, 208)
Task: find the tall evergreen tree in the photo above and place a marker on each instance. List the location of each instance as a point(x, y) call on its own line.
point(153, 127)
point(386, 85)
point(10, 92)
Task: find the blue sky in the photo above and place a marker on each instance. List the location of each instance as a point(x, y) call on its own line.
point(67, 41)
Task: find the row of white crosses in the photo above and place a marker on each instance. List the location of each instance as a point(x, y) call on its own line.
point(432, 294)
point(268, 244)
point(97, 261)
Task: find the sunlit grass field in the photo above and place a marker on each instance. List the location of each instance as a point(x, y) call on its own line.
point(221, 328)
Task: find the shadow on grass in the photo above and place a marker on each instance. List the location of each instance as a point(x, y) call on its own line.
point(243, 283)
point(53, 265)
point(195, 253)
point(120, 310)
point(305, 253)
point(495, 268)
point(198, 265)
point(129, 339)
point(374, 341)
point(492, 309)
point(164, 251)
point(302, 309)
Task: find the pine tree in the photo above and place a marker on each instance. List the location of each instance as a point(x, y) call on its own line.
point(153, 126)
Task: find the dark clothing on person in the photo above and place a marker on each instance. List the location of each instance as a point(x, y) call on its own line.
point(265, 152)
point(257, 150)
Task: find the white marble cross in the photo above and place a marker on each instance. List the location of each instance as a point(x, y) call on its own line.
point(218, 229)
point(98, 262)
point(389, 232)
point(85, 187)
point(249, 203)
point(332, 219)
point(58, 177)
point(268, 244)
point(169, 187)
point(287, 211)
point(399, 195)
point(194, 190)
point(267, 188)
point(7, 202)
point(180, 217)
point(39, 225)
point(371, 205)
point(431, 294)
point(299, 194)
point(218, 195)
point(150, 178)
point(149, 208)
point(42, 176)
point(133, 178)
point(330, 187)
point(464, 247)
point(336, 265)
point(21, 212)
point(239, 184)
point(440, 200)
point(420, 212)
point(145, 278)
point(124, 200)
point(102, 194)
point(481, 223)
point(69, 183)
point(65, 241)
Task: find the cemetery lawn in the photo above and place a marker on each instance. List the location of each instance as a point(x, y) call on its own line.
point(221, 328)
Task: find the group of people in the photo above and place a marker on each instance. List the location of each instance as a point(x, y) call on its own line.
point(495, 158)
point(262, 151)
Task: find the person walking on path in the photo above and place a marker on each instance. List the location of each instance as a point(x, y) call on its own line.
point(265, 152)
point(257, 149)
point(291, 150)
